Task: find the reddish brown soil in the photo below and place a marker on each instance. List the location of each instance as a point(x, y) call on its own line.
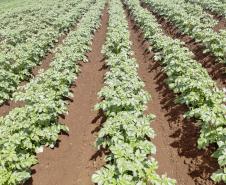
point(176, 139)
point(215, 69)
point(221, 21)
point(76, 159)
point(8, 106)
point(221, 25)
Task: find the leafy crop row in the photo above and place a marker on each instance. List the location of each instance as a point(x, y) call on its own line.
point(195, 11)
point(23, 47)
point(213, 41)
point(214, 6)
point(16, 27)
point(126, 130)
point(12, 5)
point(26, 130)
point(190, 82)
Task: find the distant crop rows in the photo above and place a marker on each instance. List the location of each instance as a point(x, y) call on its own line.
point(193, 26)
point(26, 36)
point(215, 6)
point(11, 5)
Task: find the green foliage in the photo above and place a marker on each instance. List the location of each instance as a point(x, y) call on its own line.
point(193, 26)
point(27, 34)
point(214, 6)
point(192, 84)
point(196, 12)
point(27, 129)
point(126, 130)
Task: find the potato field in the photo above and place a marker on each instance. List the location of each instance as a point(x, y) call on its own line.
point(112, 92)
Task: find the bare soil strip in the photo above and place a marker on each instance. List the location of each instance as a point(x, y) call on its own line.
point(75, 159)
point(215, 69)
point(176, 139)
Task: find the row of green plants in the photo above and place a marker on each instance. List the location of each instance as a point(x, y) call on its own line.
point(190, 82)
point(215, 6)
point(25, 131)
point(18, 26)
point(126, 132)
point(6, 5)
point(17, 58)
point(196, 12)
point(214, 42)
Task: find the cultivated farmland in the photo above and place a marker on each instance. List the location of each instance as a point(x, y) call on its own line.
point(113, 92)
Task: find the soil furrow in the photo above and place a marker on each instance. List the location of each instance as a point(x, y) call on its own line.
point(215, 69)
point(75, 159)
point(176, 139)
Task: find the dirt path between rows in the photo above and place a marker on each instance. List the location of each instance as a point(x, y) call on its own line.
point(176, 139)
point(215, 69)
point(74, 160)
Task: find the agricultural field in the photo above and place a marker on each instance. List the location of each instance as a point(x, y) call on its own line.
point(113, 92)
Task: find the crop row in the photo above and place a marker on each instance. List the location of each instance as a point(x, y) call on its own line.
point(214, 42)
point(26, 130)
point(17, 27)
point(16, 61)
point(195, 11)
point(12, 5)
point(190, 82)
point(214, 6)
point(126, 129)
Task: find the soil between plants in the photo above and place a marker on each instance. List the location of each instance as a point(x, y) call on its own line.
point(76, 158)
point(176, 139)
